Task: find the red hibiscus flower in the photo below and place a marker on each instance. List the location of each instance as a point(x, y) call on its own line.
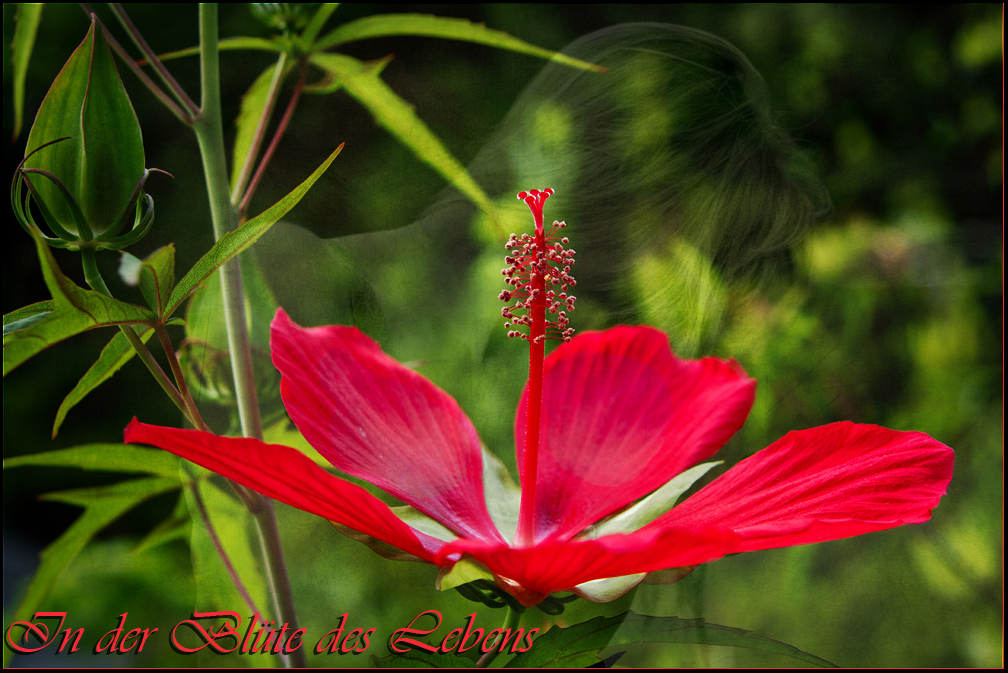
point(608, 432)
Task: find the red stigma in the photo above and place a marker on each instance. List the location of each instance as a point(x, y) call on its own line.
point(539, 273)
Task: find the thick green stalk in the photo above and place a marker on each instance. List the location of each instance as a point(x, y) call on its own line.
point(511, 620)
point(210, 136)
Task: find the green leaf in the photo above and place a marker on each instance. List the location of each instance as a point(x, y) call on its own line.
point(157, 278)
point(115, 354)
point(427, 25)
point(76, 310)
point(579, 645)
point(175, 527)
point(232, 524)
point(27, 19)
point(234, 242)
point(105, 458)
point(317, 21)
point(26, 316)
point(252, 105)
point(362, 81)
point(102, 505)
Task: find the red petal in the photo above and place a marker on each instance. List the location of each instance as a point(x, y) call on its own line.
point(555, 565)
point(825, 483)
point(377, 420)
point(621, 416)
point(287, 475)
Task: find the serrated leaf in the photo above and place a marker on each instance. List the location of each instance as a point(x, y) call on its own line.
point(27, 20)
point(116, 353)
point(106, 458)
point(76, 310)
point(579, 645)
point(362, 81)
point(234, 242)
point(157, 278)
point(102, 505)
point(427, 25)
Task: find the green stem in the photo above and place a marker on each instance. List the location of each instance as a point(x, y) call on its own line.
point(97, 283)
point(511, 620)
point(210, 136)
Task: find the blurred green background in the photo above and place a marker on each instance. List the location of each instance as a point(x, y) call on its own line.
point(697, 201)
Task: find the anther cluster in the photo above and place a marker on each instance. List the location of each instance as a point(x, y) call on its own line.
point(538, 266)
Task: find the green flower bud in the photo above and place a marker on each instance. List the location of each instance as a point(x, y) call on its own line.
point(84, 161)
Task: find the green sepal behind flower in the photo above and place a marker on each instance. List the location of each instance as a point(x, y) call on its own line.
point(100, 166)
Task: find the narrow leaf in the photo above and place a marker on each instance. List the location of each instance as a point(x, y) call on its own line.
point(252, 105)
point(103, 505)
point(242, 238)
point(362, 81)
point(115, 354)
point(226, 44)
point(318, 20)
point(105, 458)
point(427, 25)
point(27, 19)
point(579, 645)
point(76, 310)
point(26, 316)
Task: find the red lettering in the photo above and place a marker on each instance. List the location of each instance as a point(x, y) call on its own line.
point(133, 633)
point(347, 645)
point(67, 636)
point(248, 633)
point(280, 638)
point(115, 633)
point(528, 639)
point(491, 640)
point(290, 646)
point(40, 630)
point(209, 638)
point(454, 633)
point(398, 636)
point(143, 641)
point(366, 640)
point(469, 632)
point(336, 633)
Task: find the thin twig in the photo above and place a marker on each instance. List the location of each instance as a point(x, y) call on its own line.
point(165, 99)
point(153, 59)
point(249, 498)
point(260, 132)
point(281, 128)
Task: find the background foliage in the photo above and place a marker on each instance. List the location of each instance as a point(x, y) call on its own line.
point(889, 310)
